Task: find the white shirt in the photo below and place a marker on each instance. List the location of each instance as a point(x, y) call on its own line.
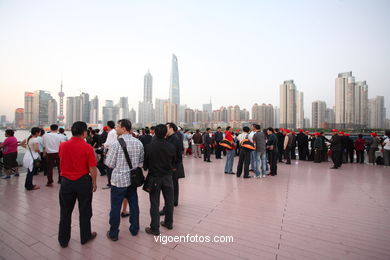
point(64, 138)
point(251, 134)
point(29, 158)
point(386, 144)
point(111, 138)
point(51, 142)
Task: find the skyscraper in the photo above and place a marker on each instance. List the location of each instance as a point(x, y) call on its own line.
point(124, 107)
point(318, 111)
point(28, 109)
point(109, 112)
point(174, 89)
point(40, 111)
point(85, 107)
point(300, 111)
point(19, 118)
point(170, 112)
point(377, 112)
point(94, 110)
point(159, 111)
point(351, 102)
point(133, 116)
point(145, 108)
point(263, 114)
point(148, 87)
point(288, 104)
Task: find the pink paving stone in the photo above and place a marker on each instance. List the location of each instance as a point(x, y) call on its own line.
point(306, 212)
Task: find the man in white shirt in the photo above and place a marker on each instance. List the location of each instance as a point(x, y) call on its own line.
point(112, 137)
point(51, 144)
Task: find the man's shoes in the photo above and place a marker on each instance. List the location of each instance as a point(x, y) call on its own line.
point(6, 177)
point(334, 167)
point(106, 187)
point(247, 177)
point(64, 245)
point(162, 212)
point(162, 223)
point(93, 235)
point(124, 215)
point(111, 238)
point(150, 231)
point(16, 174)
point(176, 204)
point(232, 173)
point(209, 161)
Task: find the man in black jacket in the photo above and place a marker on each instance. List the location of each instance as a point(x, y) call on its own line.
point(302, 141)
point(336, 146)
point(218, 137)
point(146, 138)
point(178, 170)
point(207, 142)
point(159, 160)
point(280, 138)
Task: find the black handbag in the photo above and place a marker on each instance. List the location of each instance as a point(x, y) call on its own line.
point(137, 177)
point(150, 183)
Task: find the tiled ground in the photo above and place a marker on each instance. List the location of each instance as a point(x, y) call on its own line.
point(306, 212)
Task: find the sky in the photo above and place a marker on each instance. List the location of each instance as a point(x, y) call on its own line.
point(234, 52)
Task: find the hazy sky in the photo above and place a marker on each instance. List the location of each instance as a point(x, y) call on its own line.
point(236, 52)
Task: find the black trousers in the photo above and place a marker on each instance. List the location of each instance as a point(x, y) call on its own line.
point(81, 190)
point(350, 155)
point(280, 153)
point(337, 158)
point(108, 172)
point(207, 151)
point(318, 156)
point(164, 185)
point(218, 151)
point(360, 156)
point(244, 161)
point(273, 163)
point(301, 153)
point(287, 154)
point(293, 155)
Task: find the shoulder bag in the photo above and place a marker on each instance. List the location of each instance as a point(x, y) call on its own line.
point(137, 177)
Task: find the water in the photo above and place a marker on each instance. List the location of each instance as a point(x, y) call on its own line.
point(23, 134)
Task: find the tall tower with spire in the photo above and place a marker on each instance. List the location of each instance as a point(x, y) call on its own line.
point(174, 89)
point(60, 117)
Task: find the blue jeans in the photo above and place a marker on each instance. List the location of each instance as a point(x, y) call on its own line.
point(229, 161)
point(253, 160)
point(117, 196)
point(260, 157)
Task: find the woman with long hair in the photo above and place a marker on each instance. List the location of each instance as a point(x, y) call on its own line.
point(32, 153)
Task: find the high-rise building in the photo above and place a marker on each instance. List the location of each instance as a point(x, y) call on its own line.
point(351, 102)
point(318, 111)
point(306, 123)
point(123, 108)
point(3, 120)
point(19, 118)
point(40, 115)
point(174, 89)
point(133, 116)
point(263, 114)
point(300, 111)
point(52, 112)
point(74, 110)
point(148, 87)
point(145, 108)
point(181, 113)
point(94, 110)
point(159, 111)
point(288, 104)
point(189, 116)
point(276, 123)
point(170, 112)
point(377, 112)
point(109, 112)
point(28, 109)
point(85, 107)
point(330, 118)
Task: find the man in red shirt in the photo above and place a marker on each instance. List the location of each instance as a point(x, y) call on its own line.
point(229, 152)
point(78, 172)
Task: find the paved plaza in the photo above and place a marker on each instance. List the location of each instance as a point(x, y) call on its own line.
point(307, 211)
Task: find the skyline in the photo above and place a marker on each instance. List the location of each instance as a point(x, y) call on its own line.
point(100, 48)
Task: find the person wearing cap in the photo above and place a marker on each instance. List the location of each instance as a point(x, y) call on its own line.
point(336, 146)
point(302, 140)
point(373, 144)
point(311, 139)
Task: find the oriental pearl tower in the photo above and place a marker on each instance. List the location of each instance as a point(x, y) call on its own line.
point(60, 117)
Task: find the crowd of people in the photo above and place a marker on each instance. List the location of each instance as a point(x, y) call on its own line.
point(120, 153)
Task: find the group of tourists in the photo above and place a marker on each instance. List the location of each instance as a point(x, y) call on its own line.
point(120, 154)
